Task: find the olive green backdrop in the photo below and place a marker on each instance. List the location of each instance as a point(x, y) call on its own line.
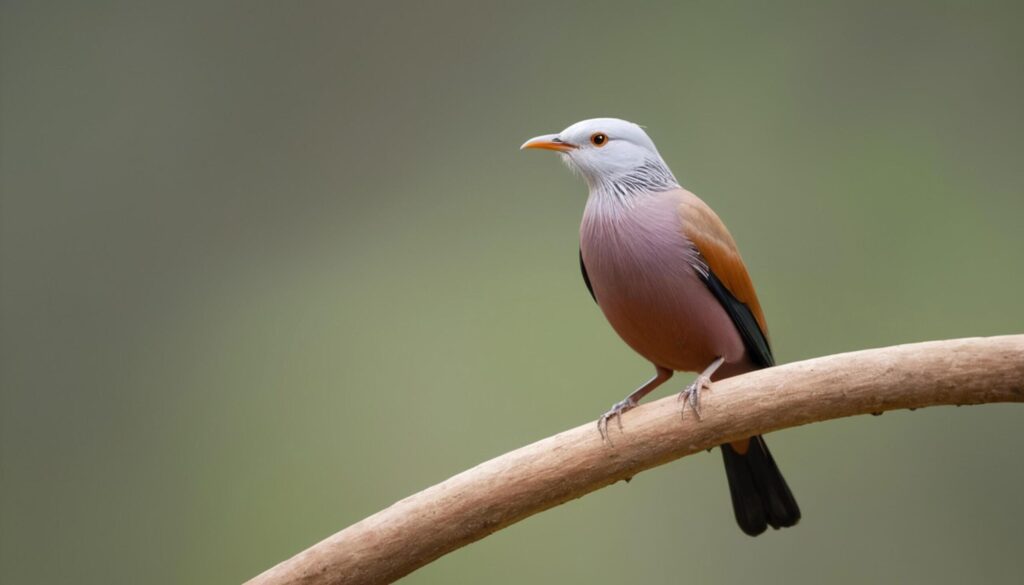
point(269, 267)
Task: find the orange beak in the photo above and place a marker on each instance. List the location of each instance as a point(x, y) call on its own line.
point(548, 142)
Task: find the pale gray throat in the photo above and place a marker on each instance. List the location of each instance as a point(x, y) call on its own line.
point(651, 177)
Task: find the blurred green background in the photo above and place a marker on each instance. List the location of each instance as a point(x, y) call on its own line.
point(269, 267)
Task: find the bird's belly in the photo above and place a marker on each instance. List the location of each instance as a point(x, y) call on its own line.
point(653, 297)
point(672, 321)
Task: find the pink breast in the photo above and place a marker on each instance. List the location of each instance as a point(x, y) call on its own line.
point(641, 268)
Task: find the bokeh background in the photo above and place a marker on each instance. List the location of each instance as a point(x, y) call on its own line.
point(269, 267)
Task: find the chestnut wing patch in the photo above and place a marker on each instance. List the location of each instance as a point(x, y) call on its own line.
point(726, 275)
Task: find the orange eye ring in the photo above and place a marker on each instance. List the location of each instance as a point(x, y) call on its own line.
point(599, 139)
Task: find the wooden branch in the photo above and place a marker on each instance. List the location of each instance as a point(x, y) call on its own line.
point(469, 506)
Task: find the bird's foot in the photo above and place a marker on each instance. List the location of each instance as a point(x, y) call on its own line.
point(628, 403)
point(692, 392)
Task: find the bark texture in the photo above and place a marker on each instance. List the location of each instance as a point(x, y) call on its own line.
point(518, 484)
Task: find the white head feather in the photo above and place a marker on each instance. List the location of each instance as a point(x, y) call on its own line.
point(614, 156)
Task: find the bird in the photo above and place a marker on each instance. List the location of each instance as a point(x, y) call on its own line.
point(669, 278)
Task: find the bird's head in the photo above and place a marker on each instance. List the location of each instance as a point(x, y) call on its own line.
point(605, 151)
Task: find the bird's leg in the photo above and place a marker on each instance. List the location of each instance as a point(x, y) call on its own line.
point(691, 393)
point(630, 402)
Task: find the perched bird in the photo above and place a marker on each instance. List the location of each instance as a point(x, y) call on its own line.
point(667, 275)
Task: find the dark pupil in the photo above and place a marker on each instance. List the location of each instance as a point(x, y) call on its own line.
point(599, 139)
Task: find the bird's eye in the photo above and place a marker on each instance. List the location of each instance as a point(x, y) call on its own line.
point(598, 139)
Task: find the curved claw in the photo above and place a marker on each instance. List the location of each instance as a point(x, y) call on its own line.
point(614, 412)
point(691, 394)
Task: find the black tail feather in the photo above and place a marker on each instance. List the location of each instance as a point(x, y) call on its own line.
point(760, 496)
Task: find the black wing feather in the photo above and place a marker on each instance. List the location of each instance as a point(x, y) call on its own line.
point(760, 495)
point(586, 279)
point(753, 338)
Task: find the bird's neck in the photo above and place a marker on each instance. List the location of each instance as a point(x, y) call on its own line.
point(626, 189)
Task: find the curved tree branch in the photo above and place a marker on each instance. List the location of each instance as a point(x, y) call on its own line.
point(513, 486)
